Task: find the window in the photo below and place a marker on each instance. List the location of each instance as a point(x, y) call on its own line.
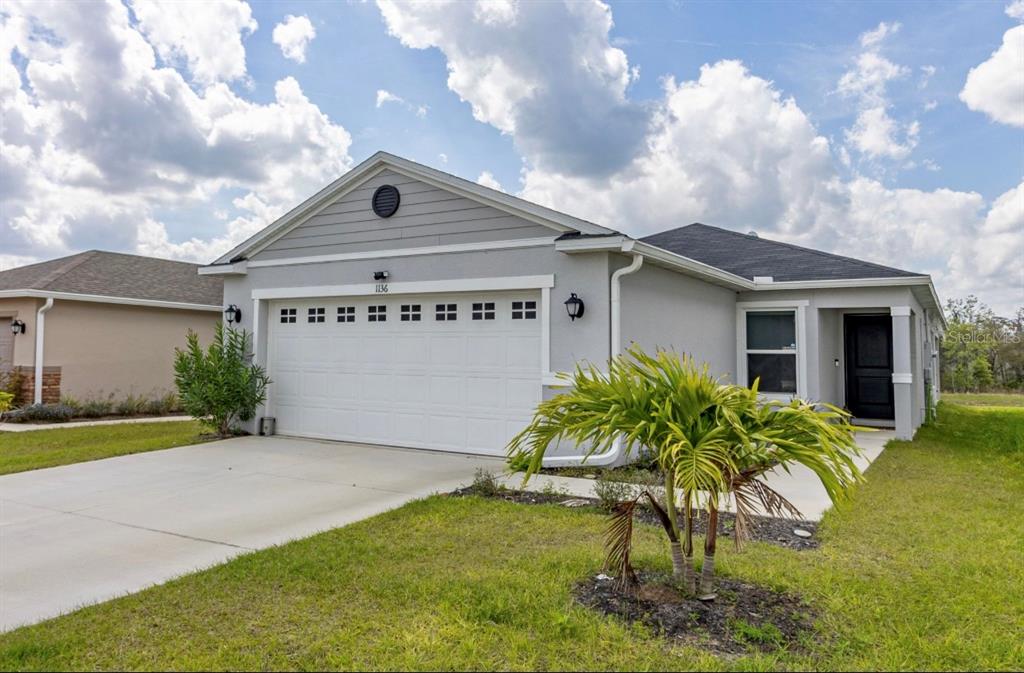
point(316, 315)
point(524, 310)
point(346, 314)
point(288, 315)
point(444, 312)
point(377, 313)
point(771, 350)
point(410, 312)
point(483, 310)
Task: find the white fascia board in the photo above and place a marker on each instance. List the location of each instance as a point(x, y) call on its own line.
point(236, 269)
point(608, 243)
point(382, 160)
point(692, 267)
point(407, 252)
point(103, 299)
point(412, 287)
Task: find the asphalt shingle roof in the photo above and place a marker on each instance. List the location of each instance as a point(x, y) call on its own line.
point(749, 256)
point(114, 274)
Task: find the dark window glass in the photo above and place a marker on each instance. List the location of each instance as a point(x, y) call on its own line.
point(443, 312)
point(524, 310)
point(288, 315)
point(316, 315)
point(483, 310)
point(771, 330)
point(776, 371)
point(410, 312)
point(377, 313)
point(346, 314)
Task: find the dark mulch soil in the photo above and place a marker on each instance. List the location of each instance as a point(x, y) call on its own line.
point(767, 529)
point(743, 618)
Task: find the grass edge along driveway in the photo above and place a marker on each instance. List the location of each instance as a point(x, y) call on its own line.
point(22, 451)
point(921, 571)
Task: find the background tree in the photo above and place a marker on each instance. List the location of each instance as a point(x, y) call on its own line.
point(981, 350)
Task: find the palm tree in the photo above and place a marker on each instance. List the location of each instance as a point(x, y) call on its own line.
point(710, 440)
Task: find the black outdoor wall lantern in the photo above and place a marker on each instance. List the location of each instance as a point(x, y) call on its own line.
point(575, 306)
point(17, 327)
point(232, 314)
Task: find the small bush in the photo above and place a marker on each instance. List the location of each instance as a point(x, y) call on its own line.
point(485, 483)
point(11, 381)
point(54, 413)
point(131, 406)
point(5, 401)
point(763, 634)
point(610, 491)
point(96, 408)
point(159, 406)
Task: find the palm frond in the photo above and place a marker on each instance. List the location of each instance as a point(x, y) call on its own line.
point(618, 544)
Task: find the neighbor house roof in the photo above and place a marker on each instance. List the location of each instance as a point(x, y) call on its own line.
point(97, 273)
point(750, 256)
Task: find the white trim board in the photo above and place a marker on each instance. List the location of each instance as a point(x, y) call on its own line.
point(406, 252)
point(104, 299)
point(413, 287)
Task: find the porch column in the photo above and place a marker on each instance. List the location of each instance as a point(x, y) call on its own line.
point(902, 374)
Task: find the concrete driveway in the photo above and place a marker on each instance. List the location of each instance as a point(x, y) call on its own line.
point(80, 534)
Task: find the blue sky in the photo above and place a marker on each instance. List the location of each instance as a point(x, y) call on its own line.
point(847, 126)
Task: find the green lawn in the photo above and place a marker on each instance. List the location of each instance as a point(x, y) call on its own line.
point(985, 399)
point(20, 451)
point(924, 571)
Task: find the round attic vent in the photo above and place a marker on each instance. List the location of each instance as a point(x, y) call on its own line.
point(385, 200)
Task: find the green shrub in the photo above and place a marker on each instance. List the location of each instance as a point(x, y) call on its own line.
point(11, 381)
point(5, 401)
point(97, 407)
point(131, 406)
point(56, 413)
point(219, 386)
point(160, 406)
point(485, 483)
point(611, 491)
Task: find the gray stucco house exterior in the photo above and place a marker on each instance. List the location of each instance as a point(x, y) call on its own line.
point(401, 305)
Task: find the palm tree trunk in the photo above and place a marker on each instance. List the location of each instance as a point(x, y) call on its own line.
point(678, 564)
point(707, 571)
point(690, 578)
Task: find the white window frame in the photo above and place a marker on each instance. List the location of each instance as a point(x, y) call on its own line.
point(799, 309)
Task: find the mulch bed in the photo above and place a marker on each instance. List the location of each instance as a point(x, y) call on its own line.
point(766, 529)
point(743, 618)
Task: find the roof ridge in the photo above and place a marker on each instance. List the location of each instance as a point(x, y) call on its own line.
point(74, 261)
point(821, 253)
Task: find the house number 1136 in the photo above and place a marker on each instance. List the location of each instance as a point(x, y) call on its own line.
point(381, 288)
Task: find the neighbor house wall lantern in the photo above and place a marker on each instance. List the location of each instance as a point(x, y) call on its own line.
point(574, 306)
point(232, 314)
point(17, 327)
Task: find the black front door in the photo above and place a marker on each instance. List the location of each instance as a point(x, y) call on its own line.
point(869, 392)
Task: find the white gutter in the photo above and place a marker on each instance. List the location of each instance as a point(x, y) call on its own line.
point(37, 396)
point(614, 453)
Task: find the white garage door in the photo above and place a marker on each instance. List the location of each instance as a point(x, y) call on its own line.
point(456, 372)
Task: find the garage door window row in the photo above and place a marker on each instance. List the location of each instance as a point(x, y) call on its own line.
point(483, 310)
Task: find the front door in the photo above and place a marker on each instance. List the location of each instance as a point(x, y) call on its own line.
point(869, 392)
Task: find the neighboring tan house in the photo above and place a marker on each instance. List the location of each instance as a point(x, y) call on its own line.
point(402, 305)
point(101, 323)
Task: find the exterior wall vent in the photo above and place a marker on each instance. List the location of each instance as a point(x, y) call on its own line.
point(385, 201)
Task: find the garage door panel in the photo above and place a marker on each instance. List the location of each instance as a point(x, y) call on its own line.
point(461, 385)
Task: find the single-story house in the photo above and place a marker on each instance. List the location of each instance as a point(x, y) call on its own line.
point(102, 323)
point(401, 305)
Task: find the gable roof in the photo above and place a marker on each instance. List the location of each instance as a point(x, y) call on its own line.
point(751, 256)
point(97, 273)
point(559, 222)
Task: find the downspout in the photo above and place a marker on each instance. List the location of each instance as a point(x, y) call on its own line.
point(37, 396)
point(613, 454)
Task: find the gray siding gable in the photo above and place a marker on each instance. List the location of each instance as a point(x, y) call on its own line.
point(428, 216)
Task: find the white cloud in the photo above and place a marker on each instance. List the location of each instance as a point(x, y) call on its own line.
point(207, 36)
point(875, 134)
point(727, 148)
point(563, 99)
point(487, 179)
point(1015, 10)
point(293, 35)
point(927, 72)
point(384, 97)
point(996, 86)
point(443, 157)
point(110, 141)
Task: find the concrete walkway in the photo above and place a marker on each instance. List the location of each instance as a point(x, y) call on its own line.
point(801, 487)
point(28, 427)
point(84, 533)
